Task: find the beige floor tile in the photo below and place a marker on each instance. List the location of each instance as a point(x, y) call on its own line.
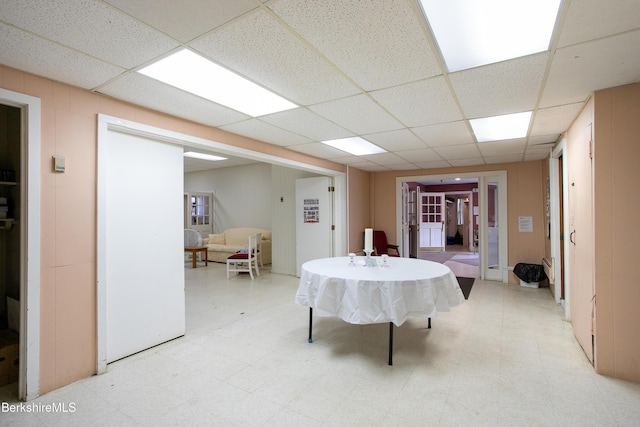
point(505, 357)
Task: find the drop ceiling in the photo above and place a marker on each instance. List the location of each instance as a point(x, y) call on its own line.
point(354, 68)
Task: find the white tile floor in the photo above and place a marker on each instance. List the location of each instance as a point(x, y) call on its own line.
point(506, 357)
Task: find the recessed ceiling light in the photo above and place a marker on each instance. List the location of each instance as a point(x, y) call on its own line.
point(471, 33)
point(355, 145)
point(497, 128)
point(203, 156)
point(199, 76)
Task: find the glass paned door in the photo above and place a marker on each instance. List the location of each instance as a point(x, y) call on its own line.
point(493, 227)
point(432, 217)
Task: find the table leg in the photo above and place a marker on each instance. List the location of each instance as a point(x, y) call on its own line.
point(429, 323)
point(390, 343)
point(194, 255)
point(310, 323)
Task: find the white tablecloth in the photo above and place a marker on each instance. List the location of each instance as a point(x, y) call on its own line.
point(408, 287)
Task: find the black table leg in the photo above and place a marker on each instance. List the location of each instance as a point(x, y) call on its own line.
point(310, 323)
point(390, 343)
point(429, 323)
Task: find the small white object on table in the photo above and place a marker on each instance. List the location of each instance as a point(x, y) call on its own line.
point(359, 294)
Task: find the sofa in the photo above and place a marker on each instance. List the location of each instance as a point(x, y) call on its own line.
point(220, 246)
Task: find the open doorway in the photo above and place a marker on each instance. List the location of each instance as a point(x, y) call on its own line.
point(473, 221)
point(21, 234)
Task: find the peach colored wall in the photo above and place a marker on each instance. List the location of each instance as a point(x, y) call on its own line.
point(359, 207)
point(68, 213)
point(525, 198)
point(616, 207)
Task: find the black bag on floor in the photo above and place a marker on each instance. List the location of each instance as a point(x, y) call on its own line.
point(529, 272)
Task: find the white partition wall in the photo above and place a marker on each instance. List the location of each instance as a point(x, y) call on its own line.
point(140, 238)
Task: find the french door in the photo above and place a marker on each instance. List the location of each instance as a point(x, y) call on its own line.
point(432, 216)
point(493, 227)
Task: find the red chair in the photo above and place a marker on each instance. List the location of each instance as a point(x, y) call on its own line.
point(381, 246)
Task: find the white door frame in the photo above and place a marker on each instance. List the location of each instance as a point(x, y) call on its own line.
point(503, 249)
point(29, 347)
point(555, 221)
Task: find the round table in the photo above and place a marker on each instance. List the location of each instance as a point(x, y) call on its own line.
point(360, 294)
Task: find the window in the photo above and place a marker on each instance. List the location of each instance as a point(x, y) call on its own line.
point(200, 209)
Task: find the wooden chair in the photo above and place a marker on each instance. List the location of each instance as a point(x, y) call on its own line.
point(259, 248)
point(381, 246)
point(245, 262)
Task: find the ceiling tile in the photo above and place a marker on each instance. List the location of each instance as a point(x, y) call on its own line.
point(395, 140)
point(359, 114)
point(257, 129)
point(453, 133)
point(355, 67)
point(261, 49)
point(421, 103)
point(514, 146)
point(381, 34)
point(384, 159)
point(555, 120)
point(122, 40)
point(306, 123)
point(319, 149)
point(30, 53)
point(504, 158)
point(600, 64)
point(543, 139)
point(201, 15)
point(502, 88)
point(421, 155)
point(148, 92)
point(592, 19)
point(457, 152)
point(433, 165)
point(467, 162)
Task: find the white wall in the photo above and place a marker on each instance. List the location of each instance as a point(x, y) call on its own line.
point(242, 195)
point(250, 196)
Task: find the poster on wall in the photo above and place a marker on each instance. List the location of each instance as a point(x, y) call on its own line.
point(311, 210)
point(525, 224)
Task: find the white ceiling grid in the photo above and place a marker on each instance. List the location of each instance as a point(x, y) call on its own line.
point(355, 68)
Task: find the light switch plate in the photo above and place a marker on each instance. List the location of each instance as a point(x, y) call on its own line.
point(58, 164)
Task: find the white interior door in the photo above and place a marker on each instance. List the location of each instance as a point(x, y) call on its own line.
point(581, 245)
point(314, 220)
point(140, 243)
point(432, 217)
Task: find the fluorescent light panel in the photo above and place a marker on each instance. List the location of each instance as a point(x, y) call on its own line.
point(498, 128)
point(355, 145)
point(471, 33)
point(203, 156)
point(199, 76)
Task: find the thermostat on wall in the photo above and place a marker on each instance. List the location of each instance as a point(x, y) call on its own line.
point(58, 164)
